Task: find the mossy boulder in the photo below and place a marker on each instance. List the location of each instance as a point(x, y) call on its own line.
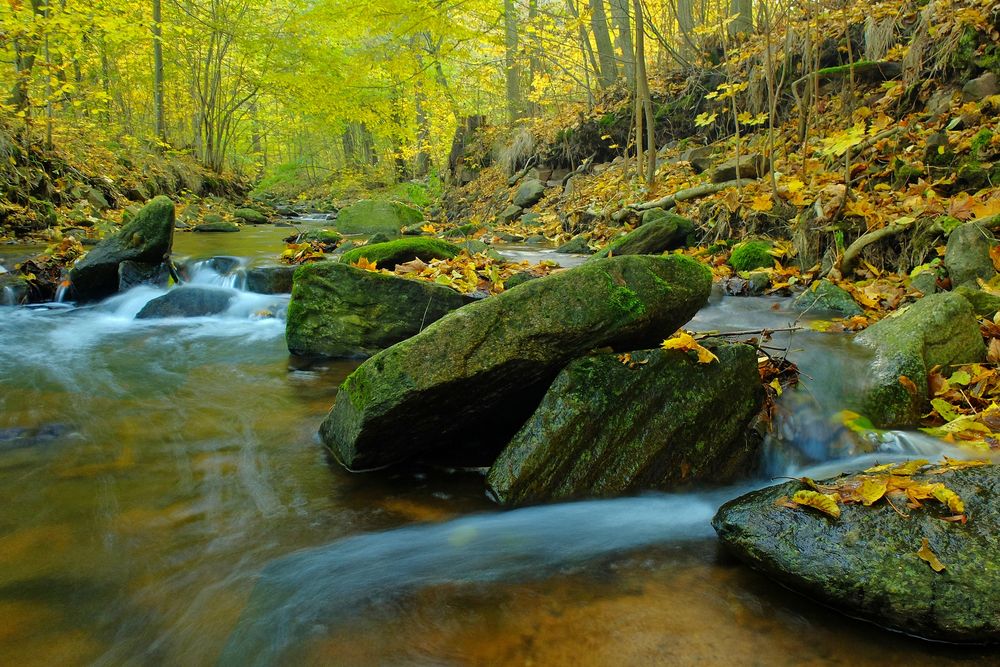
point(188, 301)
point(147, 238)
point(529, 193)
point(371, 217)
point(984, 304)
point(400, 251)
point(339, 311)
point(751, 255)
point(250, 216)
point(968, 255)
point(327, 238)
point(576, 246)
point(606, 428)
point(217, 227)
point(865, 563)
point(825, 297)
point(465, 384)
point(658, 233)
point(937, 330)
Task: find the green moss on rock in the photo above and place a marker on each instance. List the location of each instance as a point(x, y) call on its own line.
point(371, 217)
point(400, 251)
point(751, 255)
point(605, 428)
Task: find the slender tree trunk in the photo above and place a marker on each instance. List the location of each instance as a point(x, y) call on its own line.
point(743, 10)
point(512, 71)
point(643, 103)
point(685, 23)
point(623, 26)
point(602, 37)
point(160, 123)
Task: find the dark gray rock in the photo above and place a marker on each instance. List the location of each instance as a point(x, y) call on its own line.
point(751, 166)
point(825, 297)
point(132, 274)
point(576, 246)
point(865, 562)
point(270, 279)
point(968, 255)
point(188, 301)
point(529, 193)
point(147, 239)
point(606, 428)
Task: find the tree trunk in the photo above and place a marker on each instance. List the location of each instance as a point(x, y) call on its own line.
point(160, 123)
point(643, 104)
point(743, 10)
point(512, 71)
point(602, 37)
point(623, 26)
point(685, 23)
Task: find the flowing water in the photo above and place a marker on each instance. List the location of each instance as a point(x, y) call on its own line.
point(167, 503)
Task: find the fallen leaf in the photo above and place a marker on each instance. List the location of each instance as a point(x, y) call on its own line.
point(685, 341)
point(926, 554)
point(826, 503)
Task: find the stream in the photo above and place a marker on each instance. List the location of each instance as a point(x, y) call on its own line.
point(168, 503)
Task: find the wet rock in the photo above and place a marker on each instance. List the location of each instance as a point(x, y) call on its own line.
point(980, 88)
point(468, 382)
point(531, 220)
point(537, 239)
point(753, 165)
point(188, 301)
point(519, 279)
point(14, 289)
point(147, 238)
point(699, 157)
point(925, 282)
point(940, 329)
point(606, 428)
point(659, 232)
point(576, 246)
point(865, 563)
point(416, 229)
point(825, 297)
point(270, 279)
point(388, 255)
point(529, 193)
point(132, 274)
point(371, 217)
point(755, 284)
point(328, 239)
point(97, 199)
point(250, 216)
point(340, 311)
point(217, 227)
point(968, 255)
point(378, 238)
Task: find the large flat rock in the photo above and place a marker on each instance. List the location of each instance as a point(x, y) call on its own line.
point(473, 378)
point(659, 421)
point(866, 562)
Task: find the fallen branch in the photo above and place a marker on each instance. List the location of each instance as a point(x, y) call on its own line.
point(748, 332)
point(853, 252)
point(670, 201)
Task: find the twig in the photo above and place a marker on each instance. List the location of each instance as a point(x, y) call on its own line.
point(670, 201)
point(749, 332)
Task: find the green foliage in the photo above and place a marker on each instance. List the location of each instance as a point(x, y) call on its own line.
point(751, 255)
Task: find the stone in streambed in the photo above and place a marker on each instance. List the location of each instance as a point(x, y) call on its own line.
point(270, 279)
point(469, 381)
point(865, 563)
point(825, 297)
point(937, 330)
point(189, 301)
point(606, 428)
point(371, 217)
point(529, 193)
point(660, 231)
point(250, 216)
point(340, 311)
point(132, 274)
point(967, 258)
point(223, 227)
point(400, 251)
point(147, 238)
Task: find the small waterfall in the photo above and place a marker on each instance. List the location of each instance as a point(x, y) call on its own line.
point(61, 291)
point(8, 297)
point(222, 271)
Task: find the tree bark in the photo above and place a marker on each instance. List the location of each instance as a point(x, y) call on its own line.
point(623, 25)
point(512, 72)
point(602, 37)
point(160, 124)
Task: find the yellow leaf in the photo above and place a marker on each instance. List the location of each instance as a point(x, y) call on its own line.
point(926, 554)
point(948, 497)
point(823, 502)
point(686, 342)
point(363, 263)
point(910, 467)
point(762, 203)
point(871, 490)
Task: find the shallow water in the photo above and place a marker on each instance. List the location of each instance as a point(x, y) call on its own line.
point(168, 503)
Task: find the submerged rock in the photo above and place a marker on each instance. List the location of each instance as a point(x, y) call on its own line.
point(658, 233)
point(472, 378)
point(575, 246)
point(217, 227)
point(147, 238)
point(940, 329)
point(188, 301)
point(371, 217)
point(606, 428)
point(865, 562)
point(825, 297)
point(340, 311)
point(270, 279)
point(132, 274)
point(400, 251)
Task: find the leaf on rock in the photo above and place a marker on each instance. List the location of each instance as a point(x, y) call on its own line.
point(872, 490)
point(826, 503)
point(951, 499)
point(926, 554)
point(910, 467)
point(686, 342)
